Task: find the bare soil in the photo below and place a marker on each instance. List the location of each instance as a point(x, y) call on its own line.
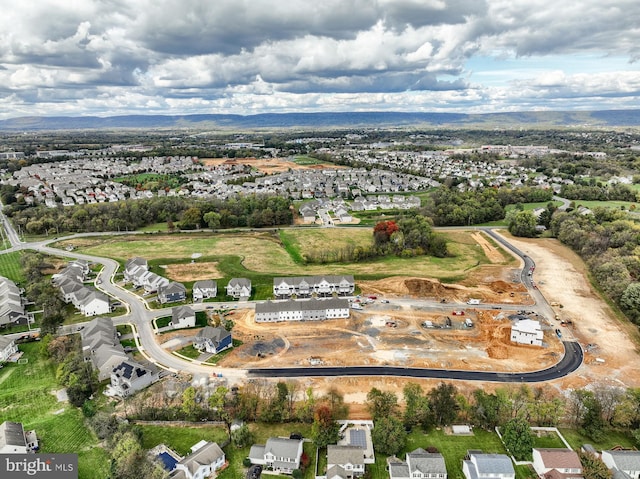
point(193, 271)
point(267, 165)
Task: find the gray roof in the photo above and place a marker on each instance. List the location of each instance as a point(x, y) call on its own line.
point(282, 447)
point(130, 370)
point(399, 470)
point(4, 342)
point(312, 280)
point(215, 334)
point(626, 460)
point(179, 312)
point(344, 455)
point(239, 282)
point(426, 462)
point(205, 284)
point(257, 451)
point(493, 464)
point(11, 434)
point(205, 455)
point(337, 471)
point(172, 288)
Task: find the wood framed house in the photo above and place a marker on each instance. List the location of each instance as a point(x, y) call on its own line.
point(172, 292)
point(280, 455)
point(239, 288)
point(213, 340)
point(183, 317)
point(204, 289)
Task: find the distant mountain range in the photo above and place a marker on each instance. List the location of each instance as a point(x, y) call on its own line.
point(607, 118)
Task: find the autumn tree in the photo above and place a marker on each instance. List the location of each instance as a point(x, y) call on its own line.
point(383, 230)
point(389, 436)
point(324, 429)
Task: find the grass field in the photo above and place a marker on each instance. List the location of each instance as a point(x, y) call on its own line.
point(261, 256)
point(26, 395)
point(605, 204)
point(10, 267)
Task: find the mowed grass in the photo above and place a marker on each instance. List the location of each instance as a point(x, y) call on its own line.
point(180, 439)
point(264, 255)
point(10, 267)
point(26, 395)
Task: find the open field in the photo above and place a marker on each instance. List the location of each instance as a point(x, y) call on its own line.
point(264, 252)
point(27, 395)
point(10, 267)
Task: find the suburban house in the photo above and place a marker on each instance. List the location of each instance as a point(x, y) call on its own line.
point(212, 340)
point(305, 310)
point(87, 300)
point(488, 466)
point(101, 346)
point(279, 454)
point(150, 281)
point(627, 462)
point(313, 285)
point(133, 268)
point(344, 462)
point(418, 464)
point(11, 308)
point(13, 439)
point(556, 463)
point(8, 348)
point(204, 289)
point(358, 434)
point(172, 292)
point(205, 459)
point(129, 377)
point(527, 331)
point(239, 288)
point(183, 317)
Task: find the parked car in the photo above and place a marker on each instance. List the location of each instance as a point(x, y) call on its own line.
point(559, 333)
point(458, 313)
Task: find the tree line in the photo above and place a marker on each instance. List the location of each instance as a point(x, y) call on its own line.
point(452, 207)
point(250, 210)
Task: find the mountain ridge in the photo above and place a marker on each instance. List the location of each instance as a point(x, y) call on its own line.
point(597, 118)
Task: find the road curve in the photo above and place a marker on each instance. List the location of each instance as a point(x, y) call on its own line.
point(570, 362)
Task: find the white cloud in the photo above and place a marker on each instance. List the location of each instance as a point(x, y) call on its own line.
point(248, 56)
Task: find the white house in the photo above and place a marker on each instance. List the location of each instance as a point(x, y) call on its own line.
point(183, 317)
point(205, 459)
point(8, 348)
point(623, 461)
point(419, 464)
point(95, 303)
point(12, 439)
point(239, 288)
point(279, 454)
point(204, 289)
point(557, 463)
point(527, 331)
point(488, 466)
point(344, 462)
point(129, 377)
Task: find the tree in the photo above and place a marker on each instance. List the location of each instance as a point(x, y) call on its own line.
point(490, 409)
point(191, 219)
point(223, 405)
point(521, 223)
point(416, 410)
point(593, 467)
point(242, 437)
point(444, 407)
point(630, 299)
point(381, 404)
point(383, 230)
point(517, 438)
point(324, 429)
point(189, 405)
point(389, 436)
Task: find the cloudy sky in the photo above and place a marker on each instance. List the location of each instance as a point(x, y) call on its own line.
point(113, 57)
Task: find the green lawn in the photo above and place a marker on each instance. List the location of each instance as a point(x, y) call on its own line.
point(189, 352)
point(26, 396)
point(180, 439)
point(610, 440)
point(605, 204)
point(10, 267)
point(163, 322)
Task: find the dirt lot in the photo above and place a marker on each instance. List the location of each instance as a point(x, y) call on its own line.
point(192, 271)
point(266, 165)
point(394, 334)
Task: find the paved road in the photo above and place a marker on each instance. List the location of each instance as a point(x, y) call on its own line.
point(569, 363)
point(140, 317)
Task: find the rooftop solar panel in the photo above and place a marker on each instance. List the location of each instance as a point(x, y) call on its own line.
point(168, 462)
point(358, 438)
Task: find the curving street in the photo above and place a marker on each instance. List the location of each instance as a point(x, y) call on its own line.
point(140, 317)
